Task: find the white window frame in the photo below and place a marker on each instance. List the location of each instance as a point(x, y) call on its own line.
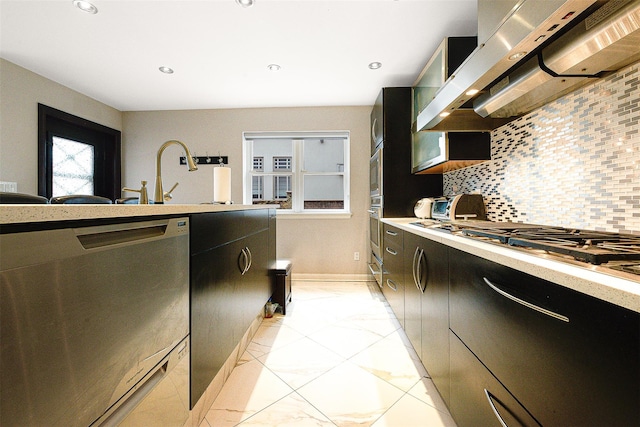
point(297, 174)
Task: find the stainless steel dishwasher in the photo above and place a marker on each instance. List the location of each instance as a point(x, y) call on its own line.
point(94, 323)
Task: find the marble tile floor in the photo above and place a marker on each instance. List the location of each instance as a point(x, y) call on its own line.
point(338, 358)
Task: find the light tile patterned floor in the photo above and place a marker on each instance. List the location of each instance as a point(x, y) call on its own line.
point(338, 358)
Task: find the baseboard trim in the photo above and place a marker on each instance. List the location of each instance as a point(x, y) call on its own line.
point(324, 277)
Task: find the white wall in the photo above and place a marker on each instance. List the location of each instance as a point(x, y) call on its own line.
point(314, 245)
point(20, 92)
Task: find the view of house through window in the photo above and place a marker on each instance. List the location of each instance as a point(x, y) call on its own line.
point(302, 172)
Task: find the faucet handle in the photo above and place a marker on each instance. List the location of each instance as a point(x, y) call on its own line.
point(143, 199)
point(167, 194)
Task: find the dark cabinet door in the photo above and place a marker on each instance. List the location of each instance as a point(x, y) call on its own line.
point(433, 277)
point(415, 282)
point(231, 256)
point(571, 359)
point(216, 299)
point(255, 282)
point(478, 398)
point(391, 127)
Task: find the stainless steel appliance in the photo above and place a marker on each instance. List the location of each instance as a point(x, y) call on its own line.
point(612, 253)
point(375, 174)
point(375, 266)
point(375, 228)
point(94, 324)
point(563, 44)
point(461, 206)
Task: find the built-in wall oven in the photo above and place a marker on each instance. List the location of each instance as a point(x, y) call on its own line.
point(375, 175)
point(375, 237)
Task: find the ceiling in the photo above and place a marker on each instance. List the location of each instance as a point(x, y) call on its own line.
point(220, 51)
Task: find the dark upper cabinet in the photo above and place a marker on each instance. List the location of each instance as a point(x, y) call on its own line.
point(391, 133)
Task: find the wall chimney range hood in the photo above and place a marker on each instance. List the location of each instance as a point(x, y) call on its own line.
point(538, 52)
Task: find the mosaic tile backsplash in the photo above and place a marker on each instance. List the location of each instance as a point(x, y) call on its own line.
point(572, 163)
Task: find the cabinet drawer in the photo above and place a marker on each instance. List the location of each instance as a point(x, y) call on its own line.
point(392, 257)
point(392, 235)
point(209, 230)
point(477, 397)
point(571, 359)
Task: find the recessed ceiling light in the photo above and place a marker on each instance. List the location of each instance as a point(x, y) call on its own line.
point(444, 114)
point(472, 92)
point(245, 3)
point(85, 6)
point(517, 55)
point(375, 65)
point(273, 67)
point(166, 70)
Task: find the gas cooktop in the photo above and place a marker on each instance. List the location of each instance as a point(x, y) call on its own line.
point(620, 252)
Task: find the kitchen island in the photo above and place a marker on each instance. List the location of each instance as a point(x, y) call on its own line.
point(22, 214)
point(162, 297)
point(516, 336)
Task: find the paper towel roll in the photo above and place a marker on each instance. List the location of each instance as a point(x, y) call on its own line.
point(221, 184)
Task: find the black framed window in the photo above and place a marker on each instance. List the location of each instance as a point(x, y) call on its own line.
point(77, 156)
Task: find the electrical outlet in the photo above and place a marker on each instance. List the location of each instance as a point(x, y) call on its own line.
point(356, 256)
point(9, 187)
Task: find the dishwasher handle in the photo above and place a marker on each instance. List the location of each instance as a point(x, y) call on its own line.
point(130, 233)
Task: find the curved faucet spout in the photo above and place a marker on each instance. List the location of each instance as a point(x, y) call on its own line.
point(158, 197)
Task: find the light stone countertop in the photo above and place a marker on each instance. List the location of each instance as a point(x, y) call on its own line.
point(21, 214)
point(584, 278)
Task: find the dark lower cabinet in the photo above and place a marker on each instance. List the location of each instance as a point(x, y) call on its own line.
point(477, 397)
point(569, 358)
point(433, 276)
point(414, 284)
point(231, 255)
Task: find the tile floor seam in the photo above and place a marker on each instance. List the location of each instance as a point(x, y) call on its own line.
point(369, 307)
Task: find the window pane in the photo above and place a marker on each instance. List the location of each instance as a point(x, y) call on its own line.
point(281, 186)
point(258, 187)
point(324, 155)
point(269, 149)
point(324, 192)
point(72, 167)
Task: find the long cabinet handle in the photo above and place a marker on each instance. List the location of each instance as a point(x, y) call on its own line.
point(421, 257)
point(247, 260)
point(250, 256)
point(526, 303)
point(391, 233)
point(243, 262)
point(391, 251)
point(414, 268)
point(490, 398)
point(392, 285)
